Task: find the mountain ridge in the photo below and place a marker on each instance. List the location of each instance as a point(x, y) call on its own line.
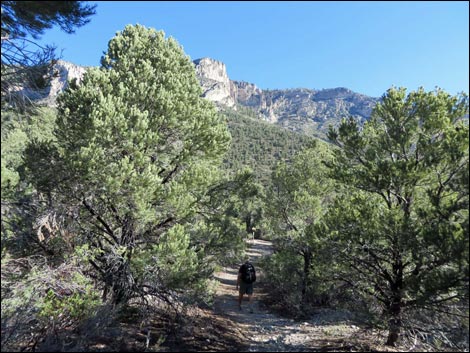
point(304, 110)
point(280, 106)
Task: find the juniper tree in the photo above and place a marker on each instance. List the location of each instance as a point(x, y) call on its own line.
point(137, 148)
point(296, 204)
point(402, 225)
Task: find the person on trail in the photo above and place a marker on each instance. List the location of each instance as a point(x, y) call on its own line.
point(246, 278)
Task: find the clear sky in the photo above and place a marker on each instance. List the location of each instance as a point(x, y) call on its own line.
point(364, 46)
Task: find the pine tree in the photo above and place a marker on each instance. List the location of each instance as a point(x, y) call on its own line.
point(403, 219)
point(137, 148)
point(296, 205)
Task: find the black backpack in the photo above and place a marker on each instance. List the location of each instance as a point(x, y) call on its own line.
point(248, 273)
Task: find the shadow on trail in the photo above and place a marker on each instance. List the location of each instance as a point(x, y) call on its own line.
point(231, 270)
point(328, 330)
point(228, 282)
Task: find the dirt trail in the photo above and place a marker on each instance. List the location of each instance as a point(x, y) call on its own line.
point(264, 331)
point(268, 332)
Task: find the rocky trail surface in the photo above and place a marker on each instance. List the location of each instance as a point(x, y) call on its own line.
point(225, 328)
point(265, 331)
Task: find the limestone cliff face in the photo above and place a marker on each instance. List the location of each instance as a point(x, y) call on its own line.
point(249, 95)
point(213, 78)
point(297, 109)
point(318, 106)
point(63, 73)
point(291, 108)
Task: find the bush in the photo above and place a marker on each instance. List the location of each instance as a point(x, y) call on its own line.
point(38, 300)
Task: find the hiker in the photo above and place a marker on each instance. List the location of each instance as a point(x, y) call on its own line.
point(246, 278)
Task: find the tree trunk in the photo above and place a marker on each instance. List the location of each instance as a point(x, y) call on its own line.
point(123, 284)
point(249, 223)
point(307, 255)
point(104, 296)
point(394, 322)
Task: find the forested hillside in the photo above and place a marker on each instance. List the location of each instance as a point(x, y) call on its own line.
point(127, 208)
point(259, 145)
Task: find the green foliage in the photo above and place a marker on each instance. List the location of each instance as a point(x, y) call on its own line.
point(175, 261)
point(26, 65)
point(225, 210)
point(298, 190)
point(17, 132)
point(40, 298)
point(259, 145)
point(137, 149)
point(20, 18)
point(20, 205)
point(284, 277)
point(76, 306)
point(402, 223)
point(297, 203)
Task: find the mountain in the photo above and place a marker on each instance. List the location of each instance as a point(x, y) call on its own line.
point(260, 145)
point(303, 110)
point(62, 73)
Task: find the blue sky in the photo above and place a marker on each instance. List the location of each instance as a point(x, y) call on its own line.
point(364, 46)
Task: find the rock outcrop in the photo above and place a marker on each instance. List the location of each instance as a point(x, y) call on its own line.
point(297, 109)
point(64, 72)
point(318, 106)
point(291, 108)
point(213, 78)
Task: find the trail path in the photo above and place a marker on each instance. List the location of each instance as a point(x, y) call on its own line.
point(268, 332)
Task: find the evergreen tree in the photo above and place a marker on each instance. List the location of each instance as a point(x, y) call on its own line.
point(225, 209)
point(258, 144)
point(137, 148)
point(402, 224)
point(296, 205)
point(25, 63)
point(25, 66)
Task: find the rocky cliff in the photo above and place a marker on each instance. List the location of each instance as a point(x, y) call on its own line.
point(296, 109)
point(299, 109)
point(214, 81)
point(63, 72)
